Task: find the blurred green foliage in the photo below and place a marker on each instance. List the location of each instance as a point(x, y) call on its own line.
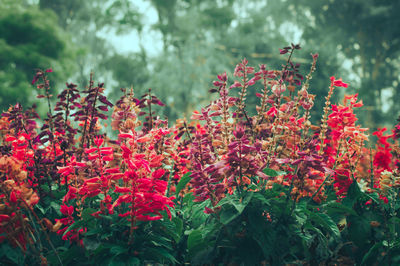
point(29, 39)
point(366, 32)
point(85, 21)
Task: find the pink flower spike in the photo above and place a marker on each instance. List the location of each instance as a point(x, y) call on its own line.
point(49, 70)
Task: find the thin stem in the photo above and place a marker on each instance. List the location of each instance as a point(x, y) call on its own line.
point(91, 125)
point(43, 229)
point(150, 114)
point(371, 168)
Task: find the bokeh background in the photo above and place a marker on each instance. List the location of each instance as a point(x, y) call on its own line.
point(177, 47)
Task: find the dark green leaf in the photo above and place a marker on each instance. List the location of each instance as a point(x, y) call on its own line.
point(118, 249)
point(195, 239)
point(372, 254)
point(325, 221)
point(13, 254)
point(336, 207)
point(161, 254)
point(359, 229)
point(228, 214)
point(182, 183)
point(90, 244)
point(178, 226)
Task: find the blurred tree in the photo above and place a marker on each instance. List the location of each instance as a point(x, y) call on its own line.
point(191, 58)
point(89, 22)
point(367, 32)
point(210, 37)
point(357, 40)
point(29, 39)
point(129, 70)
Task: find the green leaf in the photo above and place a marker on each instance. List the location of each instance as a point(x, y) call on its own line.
point(161, 254)
point(195, 239)
point(374, 197)
point(118, 249)
point(68, 255)
point(45, 188)
point(301, 217)
point(262, 199)
point(40, 208)
point(197, 215)
point(73, 226)
point(239, 203)
point(178, 226)
point(233, 206)
point(359, 229)
point(336, 207)
point(133, 261)
point(173, 228)
point(325, 221)
point(56, 207)
point(304, 235)
point(95, 231)
point(13, 254)
point(353, 194)
point(54, 186)
point(372, 254)
point(252, 187)
point(188, 199)
point(196, 243)
point(116, 261)
point(263, 234)
point(273, 173)
point(183, 182)
point(90, 244)
point(86, 214)
point(228, 214)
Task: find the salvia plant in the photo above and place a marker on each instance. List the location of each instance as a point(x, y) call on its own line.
point(94, 182)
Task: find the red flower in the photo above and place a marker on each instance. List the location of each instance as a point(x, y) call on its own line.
point(68, 211)
point(338, 82)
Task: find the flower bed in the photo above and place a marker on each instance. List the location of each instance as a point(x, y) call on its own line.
point(226, 187)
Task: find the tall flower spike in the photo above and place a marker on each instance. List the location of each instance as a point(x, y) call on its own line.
point(322, 137)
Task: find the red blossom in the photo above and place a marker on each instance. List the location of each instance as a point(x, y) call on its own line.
point(338, 82)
